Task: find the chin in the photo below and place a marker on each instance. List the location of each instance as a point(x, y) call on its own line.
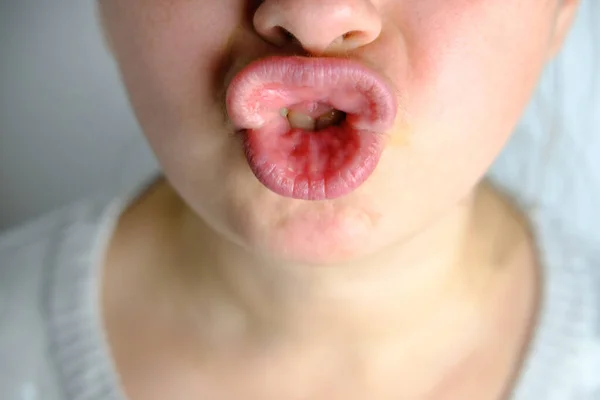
point(292, 231)
point(334, 235)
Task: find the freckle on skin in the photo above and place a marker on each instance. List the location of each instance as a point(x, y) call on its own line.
point(400, 136)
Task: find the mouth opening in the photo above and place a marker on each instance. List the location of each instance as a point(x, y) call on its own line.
point(315, 118)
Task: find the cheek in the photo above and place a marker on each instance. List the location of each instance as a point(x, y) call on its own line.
point(474, 63)
point(472, 66)
point(170, 54)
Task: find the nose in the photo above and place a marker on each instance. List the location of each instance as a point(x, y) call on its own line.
point(319, 26)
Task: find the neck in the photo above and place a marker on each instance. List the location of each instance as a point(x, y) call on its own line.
point(384, 295)
point(386, 310)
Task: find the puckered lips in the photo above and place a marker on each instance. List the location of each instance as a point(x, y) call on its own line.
point(313, 127)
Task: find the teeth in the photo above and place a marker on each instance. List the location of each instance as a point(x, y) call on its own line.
point(301, 121)
point(333, 117)
point(307, 123)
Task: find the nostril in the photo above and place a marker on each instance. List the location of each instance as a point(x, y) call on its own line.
point(282, 36)
point(286, 34)
point(351, 35)
point(348, 37)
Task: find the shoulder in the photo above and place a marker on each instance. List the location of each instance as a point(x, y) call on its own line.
point(589, 347)
point(574, 255)
point(29, 255)
point(24, 252)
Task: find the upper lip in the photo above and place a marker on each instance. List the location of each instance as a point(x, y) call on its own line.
point(328, 73)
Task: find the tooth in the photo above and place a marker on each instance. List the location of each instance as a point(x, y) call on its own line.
point(333, 117)
point(302, 121)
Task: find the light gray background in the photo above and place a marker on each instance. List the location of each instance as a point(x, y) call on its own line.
point(66, 129)
point(65, 125)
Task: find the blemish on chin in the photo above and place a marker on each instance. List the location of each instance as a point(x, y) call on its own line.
point(400, 136)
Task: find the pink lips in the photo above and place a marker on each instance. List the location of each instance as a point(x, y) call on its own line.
point(311, 165)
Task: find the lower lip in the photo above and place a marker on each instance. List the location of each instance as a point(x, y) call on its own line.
point(322, 165)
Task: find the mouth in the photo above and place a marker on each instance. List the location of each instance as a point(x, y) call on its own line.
point(313, 121)
point(313, 127)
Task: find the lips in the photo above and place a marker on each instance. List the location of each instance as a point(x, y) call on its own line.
point(298, 162)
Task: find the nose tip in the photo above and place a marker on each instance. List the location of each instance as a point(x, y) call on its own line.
point(319, 26)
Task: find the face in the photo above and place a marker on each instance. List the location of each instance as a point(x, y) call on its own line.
point(460, 71)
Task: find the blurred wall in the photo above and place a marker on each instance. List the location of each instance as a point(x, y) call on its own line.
point(65, 125)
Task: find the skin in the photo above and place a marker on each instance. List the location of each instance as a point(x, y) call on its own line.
point(241, 293)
